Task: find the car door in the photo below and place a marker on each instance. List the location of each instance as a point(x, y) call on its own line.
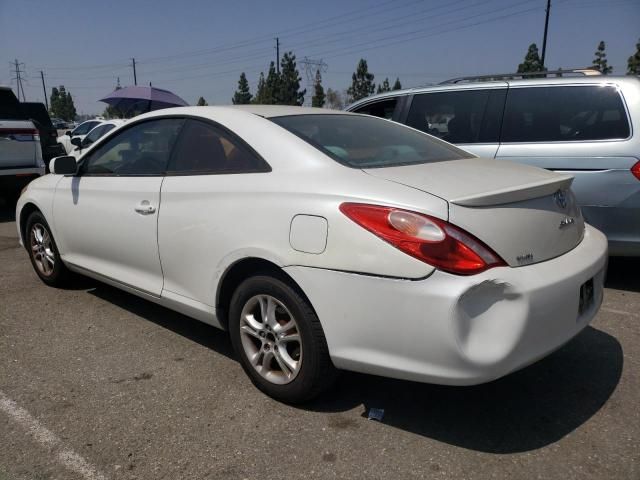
point(582, 130)
point(106, 216)
point(207, 185)
point(469, 118)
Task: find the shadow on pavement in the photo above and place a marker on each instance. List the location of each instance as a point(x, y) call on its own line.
point(194, 330)
point(622, 274)
point(7, 213)
point(524, 411)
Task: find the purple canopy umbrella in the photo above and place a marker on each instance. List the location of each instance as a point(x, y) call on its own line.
point(143, 99)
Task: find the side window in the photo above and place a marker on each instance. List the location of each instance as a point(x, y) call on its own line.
point(96, 133)
point(456, 117)
point(84, 128)
point(382, 109)
point(142, 149)
point(203, 148)
point(552, 114)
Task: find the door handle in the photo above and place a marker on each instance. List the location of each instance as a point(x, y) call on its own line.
point(145, 208)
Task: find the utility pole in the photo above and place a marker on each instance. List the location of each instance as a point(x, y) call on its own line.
point(18, 79)
point(135, 78)
point(546, 27)
point(44, 89)
point(278, 55)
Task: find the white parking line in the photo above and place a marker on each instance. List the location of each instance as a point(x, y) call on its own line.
point(67, 457)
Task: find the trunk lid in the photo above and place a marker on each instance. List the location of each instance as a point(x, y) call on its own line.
point(18, 144)
point(526, 214)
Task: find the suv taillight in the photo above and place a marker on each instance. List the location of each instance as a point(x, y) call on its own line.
point(636, 170)
point(426, 238)
point(20, 133)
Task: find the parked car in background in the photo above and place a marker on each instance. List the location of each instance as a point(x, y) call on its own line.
point(20, 150)
point(586, 126)
point(325, 240)
point(80, 131)
point(59, 124)
point(80, 146)
point(37, 113)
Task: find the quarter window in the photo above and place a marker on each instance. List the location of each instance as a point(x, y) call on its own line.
point(382, 109)
point(551, 114)
point(142, 149)
point(468, 116)
point(203, 148)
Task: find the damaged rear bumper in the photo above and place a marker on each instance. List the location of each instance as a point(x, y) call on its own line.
point(451, 329)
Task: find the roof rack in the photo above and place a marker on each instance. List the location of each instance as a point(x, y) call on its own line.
point(510, 76)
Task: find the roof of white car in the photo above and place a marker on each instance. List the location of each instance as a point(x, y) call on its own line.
point(270, 111)
point(266, 111)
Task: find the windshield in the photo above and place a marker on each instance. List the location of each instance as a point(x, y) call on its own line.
point(361, 141)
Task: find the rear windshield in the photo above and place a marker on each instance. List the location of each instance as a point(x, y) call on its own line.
point(360, 141)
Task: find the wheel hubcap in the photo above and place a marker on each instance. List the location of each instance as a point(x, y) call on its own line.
point(271, 339)
point(42, 249)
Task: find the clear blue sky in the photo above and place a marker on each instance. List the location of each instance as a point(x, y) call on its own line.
point(200, 47)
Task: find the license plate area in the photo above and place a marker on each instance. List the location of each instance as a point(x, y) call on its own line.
point(586, 296)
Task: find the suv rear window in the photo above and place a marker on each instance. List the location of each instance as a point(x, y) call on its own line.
point(360, 141)
point(575, 113)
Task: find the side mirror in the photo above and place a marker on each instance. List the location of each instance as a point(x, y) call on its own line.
point(76, 141)
point(68, 133)
point(63, 165)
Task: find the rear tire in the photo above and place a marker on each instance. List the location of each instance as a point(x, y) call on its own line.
point(43, 252)
point(279, 340)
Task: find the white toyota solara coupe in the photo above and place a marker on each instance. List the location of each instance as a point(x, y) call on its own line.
point(324, 240)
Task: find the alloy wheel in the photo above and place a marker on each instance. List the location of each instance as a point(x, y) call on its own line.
point(271, 339)
point(42, 249)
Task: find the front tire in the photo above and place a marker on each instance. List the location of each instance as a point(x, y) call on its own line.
point(43, 252)
point(279, 340)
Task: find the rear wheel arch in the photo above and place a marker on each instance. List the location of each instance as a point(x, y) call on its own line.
point(241, 270)
point(25, 213)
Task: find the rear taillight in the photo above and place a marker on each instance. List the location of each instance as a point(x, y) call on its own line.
point(20, 134)
point(636, 170)
point(426, 238)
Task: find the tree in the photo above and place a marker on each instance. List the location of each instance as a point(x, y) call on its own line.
point(54, 101)
point(384, 86)
point(532, 62)
point(600, 62)
point(361, 82)
point(62, 104)
point(242, 95)
point(334, 99)
point(288, 87)
point(633, 63)
point(319, 97)
point(261, 91)
point(397, 85)
point(202, 102)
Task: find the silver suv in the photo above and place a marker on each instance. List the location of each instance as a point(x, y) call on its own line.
point(580, 125)
point(20, 150)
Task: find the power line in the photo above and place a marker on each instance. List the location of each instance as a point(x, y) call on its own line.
point(546, 28)
point(18, 78)
point(44, 90)
point(135, 78)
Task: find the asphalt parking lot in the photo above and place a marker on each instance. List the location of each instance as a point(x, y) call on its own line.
point(98, 384)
